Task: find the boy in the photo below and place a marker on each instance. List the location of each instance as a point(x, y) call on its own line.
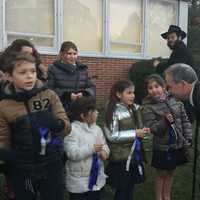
point(32, 123)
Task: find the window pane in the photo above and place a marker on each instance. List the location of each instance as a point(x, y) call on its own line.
point(30, 19)
point(83, 24)
point(161, 15)
point(125, 26)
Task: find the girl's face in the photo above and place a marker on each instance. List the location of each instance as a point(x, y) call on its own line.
point(23, 76)
point(127, 96)
point(69, 56)
point(90, 117)
point(154, 89)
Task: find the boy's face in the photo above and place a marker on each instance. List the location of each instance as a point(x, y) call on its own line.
point(69, 56)
point(90, 117)
point(23, 76)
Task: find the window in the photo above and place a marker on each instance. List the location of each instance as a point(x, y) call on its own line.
point(83, 24)
point(161, 15)
point(30, 19)
point(111, 28)
point(126, 26)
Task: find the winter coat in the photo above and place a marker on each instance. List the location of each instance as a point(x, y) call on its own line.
point(79, 147)
point(65, 79)
point(22, 115)
point(154, 111)
point(122, 131)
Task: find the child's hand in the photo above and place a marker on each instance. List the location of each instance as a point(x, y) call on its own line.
point(140, 133)
point(98, 147)
point(146, 130)
point(170, 118)
point(103, 155)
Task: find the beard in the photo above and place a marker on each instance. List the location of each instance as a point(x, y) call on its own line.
point(171, 46)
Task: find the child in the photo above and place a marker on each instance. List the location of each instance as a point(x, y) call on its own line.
point(123, 132)
point(32, 121)
point(86, 149)
point(172, 132)
point(68, 77)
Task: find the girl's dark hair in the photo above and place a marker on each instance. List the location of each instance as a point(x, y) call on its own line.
point(81, 106)
point(154, 77)
point(119, 86)
point(17, 58)
point(16, 47)
point(68, 45)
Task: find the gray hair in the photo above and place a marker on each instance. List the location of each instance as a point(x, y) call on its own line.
point(182, 72)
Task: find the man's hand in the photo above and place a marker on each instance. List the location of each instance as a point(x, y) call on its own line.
point(156, 63)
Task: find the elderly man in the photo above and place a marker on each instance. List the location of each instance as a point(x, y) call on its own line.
point(183, 83)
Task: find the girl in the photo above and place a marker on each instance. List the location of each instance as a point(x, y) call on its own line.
point(68, 77)
point(86, 149)
point(123, 132)
point(172, 132)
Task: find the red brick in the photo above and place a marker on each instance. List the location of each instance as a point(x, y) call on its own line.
point(108, 70)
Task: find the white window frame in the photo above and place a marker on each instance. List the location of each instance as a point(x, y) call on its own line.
point(182, 17)
point(48, 50)
point(176, 3)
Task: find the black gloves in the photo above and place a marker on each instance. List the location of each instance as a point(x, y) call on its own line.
point(48, 120)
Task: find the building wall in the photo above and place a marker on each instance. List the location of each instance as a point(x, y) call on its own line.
point(105, 71)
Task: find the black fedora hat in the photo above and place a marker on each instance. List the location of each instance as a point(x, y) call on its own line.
point(174, 29)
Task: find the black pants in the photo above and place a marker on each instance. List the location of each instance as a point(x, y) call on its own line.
point(95, 195)
point(49, 185)
point(120, 180)
point(124, 194)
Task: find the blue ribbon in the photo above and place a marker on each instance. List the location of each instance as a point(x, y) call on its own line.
point(43, 131)
point(137, 151)
point(172, 140)
point(94, 171)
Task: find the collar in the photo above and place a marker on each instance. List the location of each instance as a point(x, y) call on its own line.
point(191, 94)
point(85, 126)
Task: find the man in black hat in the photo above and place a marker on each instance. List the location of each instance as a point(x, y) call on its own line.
point(180, 52)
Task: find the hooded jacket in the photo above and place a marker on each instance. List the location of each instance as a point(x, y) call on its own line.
point(154, 111)
point(23, 115)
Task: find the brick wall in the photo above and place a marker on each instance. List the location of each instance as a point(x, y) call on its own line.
point(107, 71)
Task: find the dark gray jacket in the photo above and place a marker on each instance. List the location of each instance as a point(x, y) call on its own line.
point(154, 112)
point(66, 78)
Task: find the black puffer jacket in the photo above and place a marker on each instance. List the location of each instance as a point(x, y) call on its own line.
point(66, 78)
